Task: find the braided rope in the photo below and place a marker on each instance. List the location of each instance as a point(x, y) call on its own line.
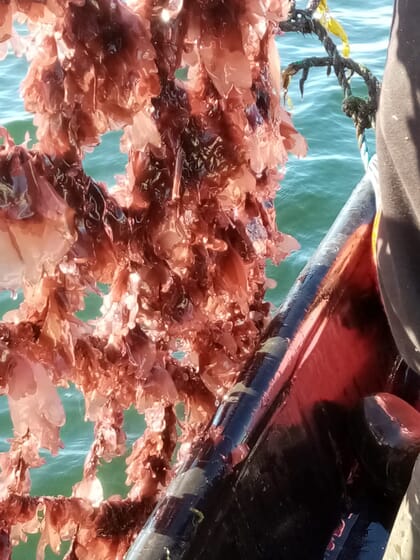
point(362, 111)
point(312, 5)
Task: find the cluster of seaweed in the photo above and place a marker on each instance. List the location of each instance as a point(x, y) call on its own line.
point(181, 242)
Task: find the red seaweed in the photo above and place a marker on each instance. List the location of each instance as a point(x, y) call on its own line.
point(181, 242)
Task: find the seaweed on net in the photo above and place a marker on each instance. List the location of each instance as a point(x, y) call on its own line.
point(182, 241)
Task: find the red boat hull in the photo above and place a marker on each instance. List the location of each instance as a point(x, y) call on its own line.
point(273, 484)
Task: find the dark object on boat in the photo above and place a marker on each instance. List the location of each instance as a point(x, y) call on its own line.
point(359, 536)
point(387, 440)
point(276, 472)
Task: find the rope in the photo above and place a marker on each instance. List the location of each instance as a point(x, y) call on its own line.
point(312, 6)
point(362, 111)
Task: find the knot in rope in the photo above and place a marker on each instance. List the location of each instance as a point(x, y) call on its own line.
point(362, 111)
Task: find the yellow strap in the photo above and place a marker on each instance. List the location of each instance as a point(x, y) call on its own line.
point(333, 26)
point(375, 228)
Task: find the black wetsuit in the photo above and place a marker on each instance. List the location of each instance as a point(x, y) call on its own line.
point(398, 147)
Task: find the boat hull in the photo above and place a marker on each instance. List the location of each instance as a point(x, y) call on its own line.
point(269, 477)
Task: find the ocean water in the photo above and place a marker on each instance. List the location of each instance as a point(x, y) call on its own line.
point(312, 193)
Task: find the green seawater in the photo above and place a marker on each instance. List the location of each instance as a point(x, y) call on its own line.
point(312, 193)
